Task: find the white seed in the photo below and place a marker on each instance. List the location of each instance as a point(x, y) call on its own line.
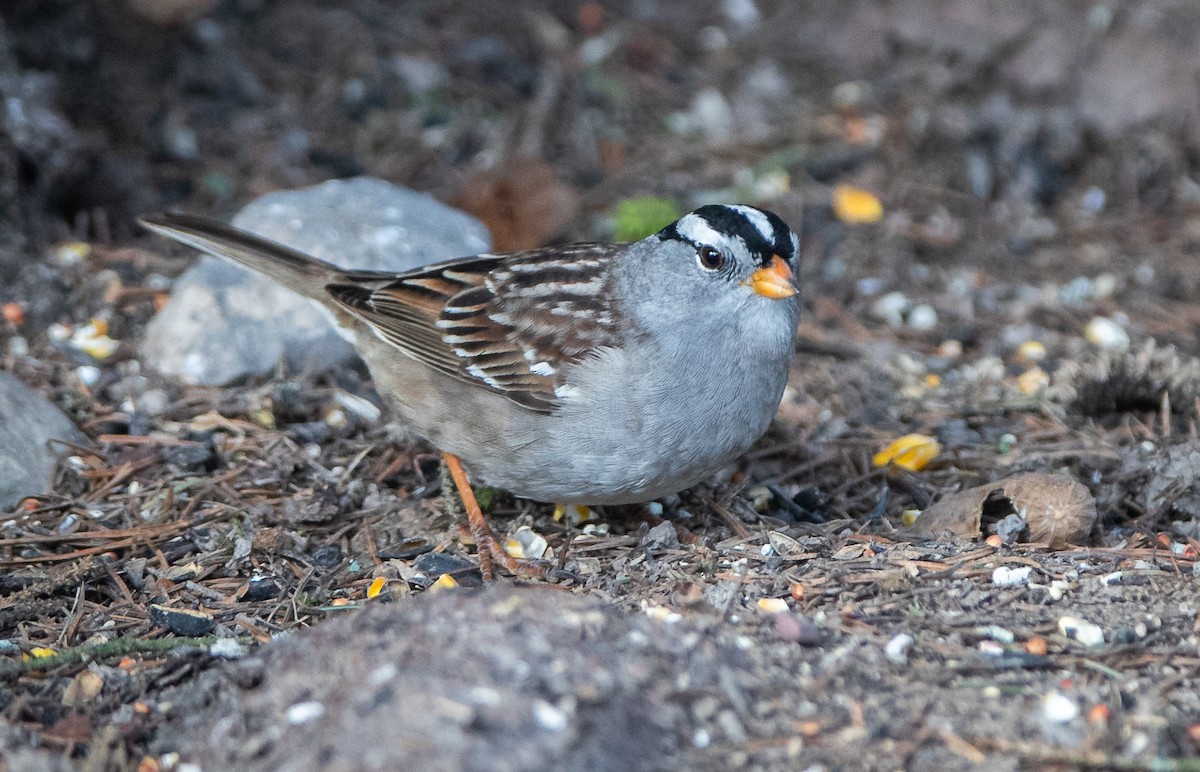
point(1005, 576)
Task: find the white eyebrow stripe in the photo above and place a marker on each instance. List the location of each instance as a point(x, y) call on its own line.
point(758, 220)
point(696, 229)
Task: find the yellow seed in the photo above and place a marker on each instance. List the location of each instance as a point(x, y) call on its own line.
point(444, 582)
point(772, 605)
point(97, 346)
point(912, 452)
point(1031, 351)
point(855, 206)
point(71, 252)
point(573, 513)
point(376, 587)
point(1032, 380)
point(909, 516)
point(932, 381)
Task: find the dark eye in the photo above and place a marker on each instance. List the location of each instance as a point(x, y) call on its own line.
point(710, 258)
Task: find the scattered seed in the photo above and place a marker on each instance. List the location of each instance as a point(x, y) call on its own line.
point(444, 582)
point(1081, 630)
point(772, 605)
point(1008, 576)
point(526, 544)
point(912, 452)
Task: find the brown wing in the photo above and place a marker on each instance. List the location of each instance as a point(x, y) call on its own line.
point(492, 320)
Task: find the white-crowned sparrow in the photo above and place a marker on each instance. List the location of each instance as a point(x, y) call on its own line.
point(589, 373)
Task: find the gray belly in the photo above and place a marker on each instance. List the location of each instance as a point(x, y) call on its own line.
point(633, 437)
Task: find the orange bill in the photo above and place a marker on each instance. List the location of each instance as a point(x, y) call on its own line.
point(774, 281)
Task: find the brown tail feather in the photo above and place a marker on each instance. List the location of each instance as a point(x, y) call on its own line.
point(295, 270)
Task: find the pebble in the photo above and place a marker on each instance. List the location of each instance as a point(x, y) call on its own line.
point(897, 648)
point(1106, 334)
point(29, 427)
point(797, 628)
point(660, 537)
point(549, 717)
point(303, 712)
point(1057, 708)
point(922, 317)
point(890, 308)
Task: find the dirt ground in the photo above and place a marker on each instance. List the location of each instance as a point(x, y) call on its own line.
point(1030, 297)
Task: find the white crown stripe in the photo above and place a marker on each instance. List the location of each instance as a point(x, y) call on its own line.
point(696, 229)
point(758, 220)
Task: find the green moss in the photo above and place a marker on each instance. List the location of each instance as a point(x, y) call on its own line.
point(637, 218)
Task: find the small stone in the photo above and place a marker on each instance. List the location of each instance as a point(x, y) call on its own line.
point(660, 537)
point(1057, 708)
point(304, 712)
point(30, 432)
point(549, 717)
point(420, 74)
point(897, 648)
point(922, 317)
point(797, 628)
point(890, 308)
point(1106, 334)
point(742, 14)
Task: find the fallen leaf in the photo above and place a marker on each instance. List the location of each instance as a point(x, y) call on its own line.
point(912, 452)
point(855, 206)
point(522, 203)
point(1057, 509)
point(74, 727)
point(83, 688)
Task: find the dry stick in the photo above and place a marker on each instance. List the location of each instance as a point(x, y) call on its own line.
point(1031, 751)
point(115, 533)
point(731, 520)
point(27, 603)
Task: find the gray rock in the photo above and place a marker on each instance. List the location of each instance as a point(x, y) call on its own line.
point(501, 678)
point(224, 323)
point(27, 423)
point(1139, 76)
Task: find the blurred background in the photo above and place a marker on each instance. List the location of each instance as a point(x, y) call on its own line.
point(1020, 137)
